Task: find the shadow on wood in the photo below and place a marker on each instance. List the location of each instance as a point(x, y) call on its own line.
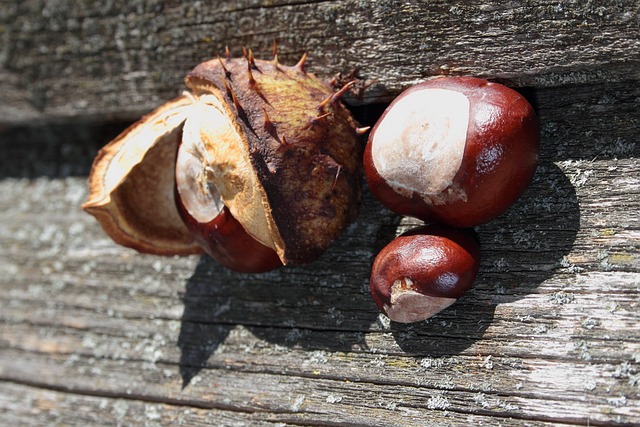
point(322, 306)
point(301, 307)
point(297, 306)
point(326, 305)
point(53, 150)
point(519, 250)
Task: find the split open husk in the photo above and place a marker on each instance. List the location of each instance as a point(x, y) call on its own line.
point(283, 153)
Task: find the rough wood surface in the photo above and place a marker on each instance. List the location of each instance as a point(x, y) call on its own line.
point(66, 58)
point(95, 334)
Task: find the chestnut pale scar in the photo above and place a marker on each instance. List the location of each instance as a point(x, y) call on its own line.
point(426, 155)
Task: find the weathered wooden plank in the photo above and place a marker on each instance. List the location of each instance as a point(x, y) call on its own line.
point(119, 59)
point(49, 407)
point(91, 333)
point(308, 397)
point(429, 355)
point(516, 250)
point(536, 326)
point(22, 405)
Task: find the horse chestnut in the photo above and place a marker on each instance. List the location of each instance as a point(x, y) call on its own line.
point(215, 229)
point(423, 271)
point(455, 150)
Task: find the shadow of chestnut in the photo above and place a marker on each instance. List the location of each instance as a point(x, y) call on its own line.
point(327, 305)
point(519, 250)
point(527, 245)
point(322, 306)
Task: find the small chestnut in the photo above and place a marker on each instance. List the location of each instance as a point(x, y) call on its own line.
point(424, 271)
point(455, 150)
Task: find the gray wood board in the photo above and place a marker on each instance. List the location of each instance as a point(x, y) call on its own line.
point(95, 334)
point(64, 59)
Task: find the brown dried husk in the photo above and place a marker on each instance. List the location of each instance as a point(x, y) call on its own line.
point(288, 168)
point(131, 184)
point(306, 158)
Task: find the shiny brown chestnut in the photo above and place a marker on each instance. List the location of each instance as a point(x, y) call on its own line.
point(226, 241)
point(455, 150)
point(214, 227)
point(424, 271)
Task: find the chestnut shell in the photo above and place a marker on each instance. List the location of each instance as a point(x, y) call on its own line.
point(306, 155)
point(291, 176)
point(131, 184)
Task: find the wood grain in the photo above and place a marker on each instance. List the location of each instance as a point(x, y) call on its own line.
point(66, 58)
point(95, 334)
